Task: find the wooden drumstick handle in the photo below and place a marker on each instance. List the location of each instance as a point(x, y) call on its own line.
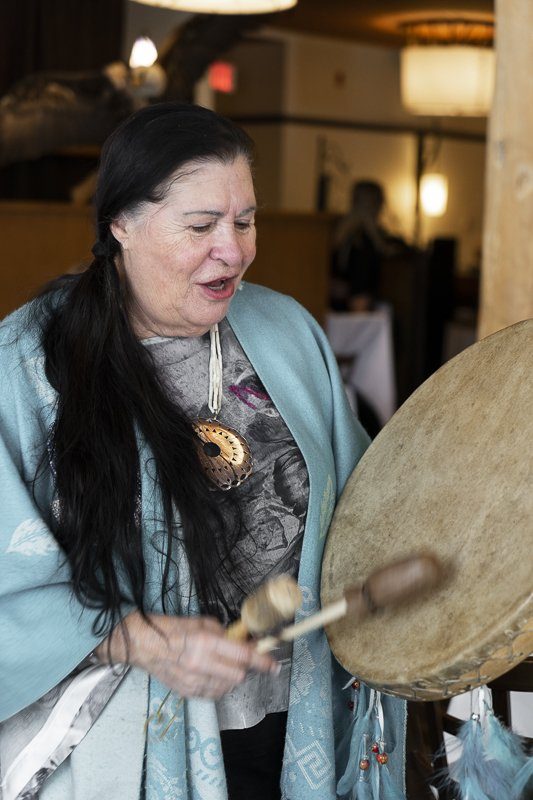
point(402, 580)
point(388, 586)
point(237, 631)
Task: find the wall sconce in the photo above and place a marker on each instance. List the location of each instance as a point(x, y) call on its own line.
point(147, 79)
point(223, 6)
point(143, 53)
point(448, 68)
point(434, 194)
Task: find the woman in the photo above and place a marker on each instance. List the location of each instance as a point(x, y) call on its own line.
point(360, 245)
point(128, 536)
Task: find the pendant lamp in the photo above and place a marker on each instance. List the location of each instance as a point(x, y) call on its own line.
point(223, 6)
point(447, 69)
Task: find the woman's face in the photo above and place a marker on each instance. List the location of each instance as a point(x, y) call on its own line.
point(183, 258)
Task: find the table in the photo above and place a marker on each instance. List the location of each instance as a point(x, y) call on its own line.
point(366, 340)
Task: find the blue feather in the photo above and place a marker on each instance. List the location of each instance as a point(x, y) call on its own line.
point(469, 767)
point(383, 785)
point(344, 750)
point(492, 764)
point(363, 787)
point(363, 790)
point(349, 780)
point(504, 758)
point(523, 783)
point(388, 790)
point(502, 744)
point(471, 790)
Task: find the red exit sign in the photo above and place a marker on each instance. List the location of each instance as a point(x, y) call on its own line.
point(222, 76)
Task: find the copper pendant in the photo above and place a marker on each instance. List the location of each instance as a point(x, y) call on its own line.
point(224, 454)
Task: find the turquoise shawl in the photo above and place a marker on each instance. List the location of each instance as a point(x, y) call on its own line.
point(45, 633)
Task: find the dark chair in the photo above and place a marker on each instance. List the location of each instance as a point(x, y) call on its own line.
point(419, 285)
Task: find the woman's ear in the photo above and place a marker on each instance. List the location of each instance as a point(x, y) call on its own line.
point(119, 229)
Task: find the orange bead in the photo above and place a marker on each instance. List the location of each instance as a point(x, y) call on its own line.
point(382, 758)
point(364, 763)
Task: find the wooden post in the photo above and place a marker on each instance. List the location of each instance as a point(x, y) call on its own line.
point(507, 274)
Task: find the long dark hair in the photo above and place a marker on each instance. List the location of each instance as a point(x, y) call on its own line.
point(108, 390)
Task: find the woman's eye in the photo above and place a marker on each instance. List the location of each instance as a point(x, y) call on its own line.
point(202, 228)
point(244, 225)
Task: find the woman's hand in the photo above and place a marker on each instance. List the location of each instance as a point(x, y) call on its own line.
point(190, 655)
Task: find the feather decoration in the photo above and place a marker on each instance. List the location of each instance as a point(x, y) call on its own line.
point(523, 783)
point(363, 785)
point(363, 789)
point(377, 738)
point(491, 760)
point(346, 749)
point(503, 758)
point(388, 790)
point(349, 781)
point(351, 775)
point(469, 767)
point(471, 790)
point(385, 788)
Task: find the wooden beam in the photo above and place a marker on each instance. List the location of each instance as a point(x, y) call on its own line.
point(507, 273)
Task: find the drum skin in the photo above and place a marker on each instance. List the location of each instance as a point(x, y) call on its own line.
point(451, 474)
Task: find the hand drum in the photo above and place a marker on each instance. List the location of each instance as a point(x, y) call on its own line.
point(451, 473)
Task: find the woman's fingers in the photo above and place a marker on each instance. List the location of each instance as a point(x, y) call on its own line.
point(207, 653)
point(192, 655)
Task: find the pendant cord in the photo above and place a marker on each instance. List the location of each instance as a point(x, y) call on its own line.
point(215, 371)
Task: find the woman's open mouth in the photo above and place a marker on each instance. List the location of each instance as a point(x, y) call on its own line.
point(220, 289)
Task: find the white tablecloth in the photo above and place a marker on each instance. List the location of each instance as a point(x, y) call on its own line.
point(368, 339)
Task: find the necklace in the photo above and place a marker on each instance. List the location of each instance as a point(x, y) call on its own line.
point(224, 454)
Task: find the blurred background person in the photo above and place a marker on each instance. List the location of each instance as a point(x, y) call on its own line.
point(360, 244)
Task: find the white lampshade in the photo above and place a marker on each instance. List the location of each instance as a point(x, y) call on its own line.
point(434, 194)
point(447, 80)
point(143, 53)
point(223, 6)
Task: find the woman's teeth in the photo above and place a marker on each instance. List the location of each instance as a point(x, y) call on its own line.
point(216, 285)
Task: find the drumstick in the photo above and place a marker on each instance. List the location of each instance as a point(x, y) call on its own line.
point(274, 602)
point(388, 586)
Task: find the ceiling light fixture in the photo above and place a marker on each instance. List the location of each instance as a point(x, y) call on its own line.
point(223, 6)
point(447, 68)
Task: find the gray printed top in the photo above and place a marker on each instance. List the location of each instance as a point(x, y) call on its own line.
point(272, 502)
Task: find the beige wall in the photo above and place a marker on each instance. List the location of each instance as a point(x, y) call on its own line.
point(328, 79)
point(370, 91)
point(342, 80)
point(292, 75)
point(464, 164)
point(387, 158)
point(269, 157)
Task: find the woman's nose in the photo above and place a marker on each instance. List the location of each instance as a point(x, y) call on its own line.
point(227, 247)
